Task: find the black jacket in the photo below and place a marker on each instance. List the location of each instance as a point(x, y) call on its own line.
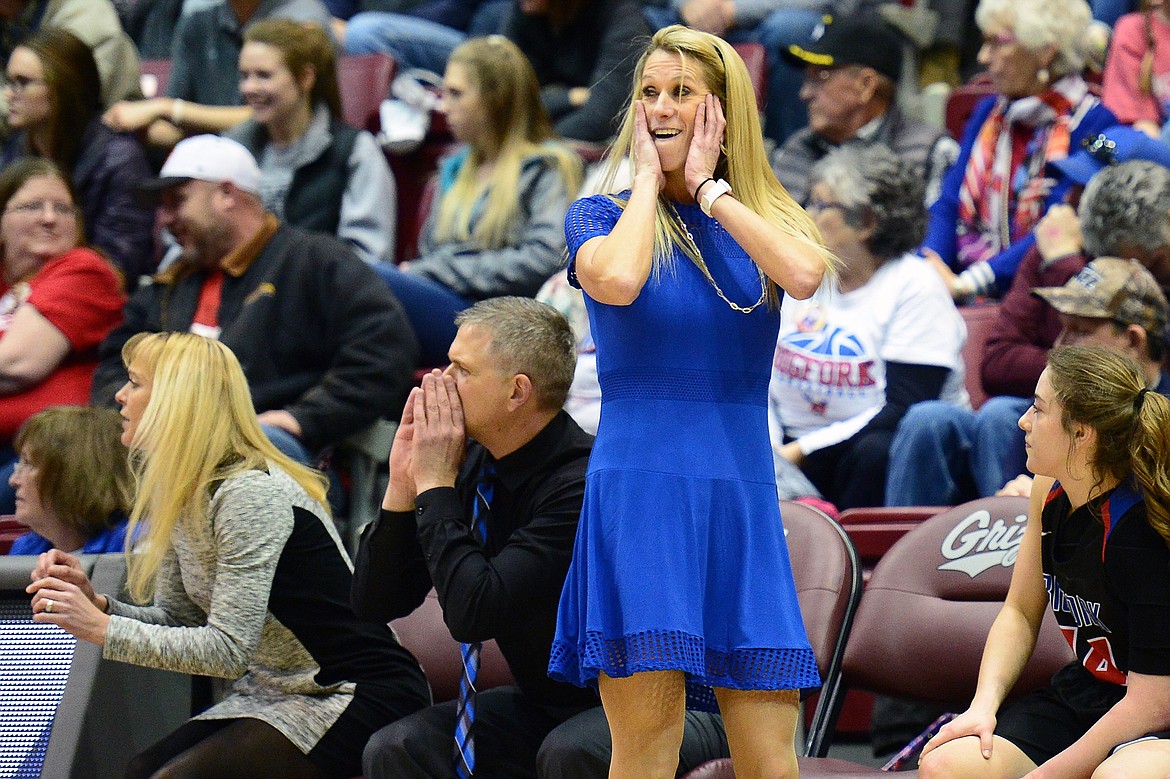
point(318, 333)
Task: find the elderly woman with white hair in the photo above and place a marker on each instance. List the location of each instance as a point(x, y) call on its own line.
point(880, 337)
point(999, 188)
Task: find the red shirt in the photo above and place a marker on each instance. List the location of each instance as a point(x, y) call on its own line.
point(79, 293)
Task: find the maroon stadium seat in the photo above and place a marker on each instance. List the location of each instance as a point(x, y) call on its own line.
point(756, 59)
point(923, 619)
point(157, 72)
point(962, 101)
point(425, 634)
point(979, 320)
point(10, 530)
point(364, 82)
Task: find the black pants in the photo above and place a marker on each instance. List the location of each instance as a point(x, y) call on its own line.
point(580, 748)
point(853, 472)
point(509, 730)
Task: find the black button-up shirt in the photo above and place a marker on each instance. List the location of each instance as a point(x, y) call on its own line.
point(507, 588)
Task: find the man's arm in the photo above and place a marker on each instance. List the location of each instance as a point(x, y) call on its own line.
point(390, 577)
point(486, 596)
point(609, 81)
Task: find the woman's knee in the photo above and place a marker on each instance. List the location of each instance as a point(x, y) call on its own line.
point(953, 760)
point(1142, 760)
point(761, 730)
point(962, 759)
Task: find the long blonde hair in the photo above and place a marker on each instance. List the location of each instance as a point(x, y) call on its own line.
point(742, 160)
point(519, 128)
point(198, 428)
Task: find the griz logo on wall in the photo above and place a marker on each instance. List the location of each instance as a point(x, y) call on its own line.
point(977, 543)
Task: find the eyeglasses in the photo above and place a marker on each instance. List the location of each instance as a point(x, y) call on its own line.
point(999, 41)
point(23, 466)
point(817, 77)
point(815, 207)
point(18, 84)
point(37, 207)
point(1101, 149)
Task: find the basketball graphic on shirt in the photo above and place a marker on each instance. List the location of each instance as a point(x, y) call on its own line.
point(824, 361)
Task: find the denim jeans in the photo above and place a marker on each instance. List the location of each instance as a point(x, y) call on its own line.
point(943, 455)
point(288, 444)
point(413, 42)
point(431, 308)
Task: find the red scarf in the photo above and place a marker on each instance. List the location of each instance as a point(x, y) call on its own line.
point(1004, 193)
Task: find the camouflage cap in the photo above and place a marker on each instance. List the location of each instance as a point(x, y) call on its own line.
point(1112, 288)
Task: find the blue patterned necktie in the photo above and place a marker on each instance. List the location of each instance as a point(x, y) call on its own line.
point(465, 713)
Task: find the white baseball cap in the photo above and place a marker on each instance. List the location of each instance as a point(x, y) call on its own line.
point(207, 158)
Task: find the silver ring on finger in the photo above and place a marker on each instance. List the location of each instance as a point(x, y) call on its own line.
point(49, 606)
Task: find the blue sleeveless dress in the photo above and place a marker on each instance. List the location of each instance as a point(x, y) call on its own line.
point(680, 561)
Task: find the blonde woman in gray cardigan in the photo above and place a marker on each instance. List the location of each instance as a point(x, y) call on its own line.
point(241, 575)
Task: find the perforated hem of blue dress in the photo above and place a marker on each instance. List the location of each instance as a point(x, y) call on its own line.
point(739, 669)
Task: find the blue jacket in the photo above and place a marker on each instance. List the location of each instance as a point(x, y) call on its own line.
point(111, 540)
point(944, 214)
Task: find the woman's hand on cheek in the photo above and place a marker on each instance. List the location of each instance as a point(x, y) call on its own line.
point(646, 160)
point(706, 143)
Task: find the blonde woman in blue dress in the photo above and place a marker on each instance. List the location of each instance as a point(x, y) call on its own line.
point(680, 592)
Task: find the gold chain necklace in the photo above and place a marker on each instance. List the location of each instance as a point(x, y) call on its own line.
point(707, 273)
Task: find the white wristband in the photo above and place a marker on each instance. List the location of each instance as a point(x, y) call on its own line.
point(712, 193)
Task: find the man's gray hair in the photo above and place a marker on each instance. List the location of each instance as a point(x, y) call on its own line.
point(1126, 206)
point(873, 181)
point(528, 337)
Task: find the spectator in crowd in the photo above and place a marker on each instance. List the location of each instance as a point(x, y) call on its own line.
point(58, 300)
point(1095, 551)
point(497, 223)
point(942, 455)
point(1095, 306)
point(316, 172)
point(489, 523)
point(72, 481)
point(418, 33)
point(584, 55)
point(941, 32)
point(326, 346)
point(1130, 176)
point(777, 25)
point(150, 24)
point(884, 335)
point(998, 190)
point(241, 575)
point(850, 76)
point(203, 90)
point(1136, 83)
point(95, 22)
point(54, 107)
